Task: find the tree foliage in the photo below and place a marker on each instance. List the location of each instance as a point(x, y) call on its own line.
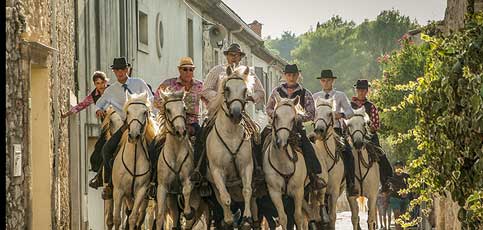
point(392, 93)
point(283, 45)
point(449, 131)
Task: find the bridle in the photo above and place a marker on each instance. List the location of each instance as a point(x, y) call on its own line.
point(363, 132)
point(227, 102)
point(143, 124)
point(276, 130)
point(170, 122)
point(327, 124)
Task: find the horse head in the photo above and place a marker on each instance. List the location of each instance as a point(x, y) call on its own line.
point(284, 119)
point(174, 112)
point(137, 111)
point(235, 91)
point(324, 117)
point(357, 126)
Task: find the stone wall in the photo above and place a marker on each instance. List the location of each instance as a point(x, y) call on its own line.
point(50, 23)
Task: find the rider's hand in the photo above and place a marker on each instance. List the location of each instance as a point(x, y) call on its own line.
point(66, 114)
point(338, 116)
point(100, 113)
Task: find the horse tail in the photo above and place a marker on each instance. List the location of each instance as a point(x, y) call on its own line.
point(361, 201)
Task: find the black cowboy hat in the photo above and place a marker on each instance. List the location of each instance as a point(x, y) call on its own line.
point(362, 84)
point(326, 73)
point(291, 69)
point(234, 47)
point(120, 63)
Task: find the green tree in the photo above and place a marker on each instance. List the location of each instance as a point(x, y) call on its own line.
point(392, 92)
point(283, 45)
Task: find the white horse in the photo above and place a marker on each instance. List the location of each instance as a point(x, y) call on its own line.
point(283, 165)
point(325, 147)
point(131, 170)
point(175, 162)
point(366, 168)
point(111, 123)
point(229, 148)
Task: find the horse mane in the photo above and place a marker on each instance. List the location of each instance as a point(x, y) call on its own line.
point(167, 95)
point(362, 111)
point(286, 101)
point(106, 123)
point(238, 71)
point(323, 101)
point(151, 128)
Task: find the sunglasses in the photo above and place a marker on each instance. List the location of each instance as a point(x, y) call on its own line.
point(188, 69)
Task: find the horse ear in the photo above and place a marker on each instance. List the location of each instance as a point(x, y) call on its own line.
point(318, 101)
point(229, 70)
point(247, 71)
point(296, 100)
point(128, 96)
point(144, 95)
point(277, 98)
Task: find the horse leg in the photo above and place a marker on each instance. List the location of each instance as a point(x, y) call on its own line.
point(174, 210)
point(188, 212)
point(372, 212)
point(161, 203)
point(142, 212)
point(276, 197)
point(354, 212)
point(139, 199)
point(332, 204)
point(256, 219)
point(222, 195)
point(299, 216)
point(247, 195)
point(117, 199)
point(108, 205)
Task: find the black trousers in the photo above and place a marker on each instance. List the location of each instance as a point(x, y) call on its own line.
point(108, 151)
point(348, 159)
point(385, 168)
point(96, 158)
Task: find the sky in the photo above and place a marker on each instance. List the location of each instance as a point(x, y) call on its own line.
point(300, 15)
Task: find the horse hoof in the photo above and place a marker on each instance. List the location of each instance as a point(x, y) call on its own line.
point(246, 223)
point(313, 225)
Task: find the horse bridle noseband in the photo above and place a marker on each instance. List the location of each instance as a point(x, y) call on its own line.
point(135, 119)
point(171, 121)
point(327, 125)
point(364, 133)
point(276, 130)
point(228, 103)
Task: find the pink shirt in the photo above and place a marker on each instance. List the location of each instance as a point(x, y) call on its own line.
point(191, 99)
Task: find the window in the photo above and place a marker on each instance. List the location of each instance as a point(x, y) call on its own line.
point(143, 35)
point(190, 38)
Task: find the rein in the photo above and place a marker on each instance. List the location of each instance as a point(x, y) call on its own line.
point(143, 140)
point(233, 154)
point(334, 156)
point(227, 102)
point(286, 176)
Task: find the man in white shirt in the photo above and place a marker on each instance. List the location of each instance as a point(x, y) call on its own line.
point(344, 110)
point(115, 95)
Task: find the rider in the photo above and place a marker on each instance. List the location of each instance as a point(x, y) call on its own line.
point(115, 95)
point(192, 98)
point(342, 110)
point(292, 89)
point(362, 88)
point(233, 55)
point(100, 81)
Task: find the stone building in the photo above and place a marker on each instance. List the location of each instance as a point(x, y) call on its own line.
point(40, 80)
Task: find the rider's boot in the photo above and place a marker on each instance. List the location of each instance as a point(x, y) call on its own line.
point(96, 181)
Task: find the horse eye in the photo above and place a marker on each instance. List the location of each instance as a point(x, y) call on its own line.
point(227, 89)
point(168, 110)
